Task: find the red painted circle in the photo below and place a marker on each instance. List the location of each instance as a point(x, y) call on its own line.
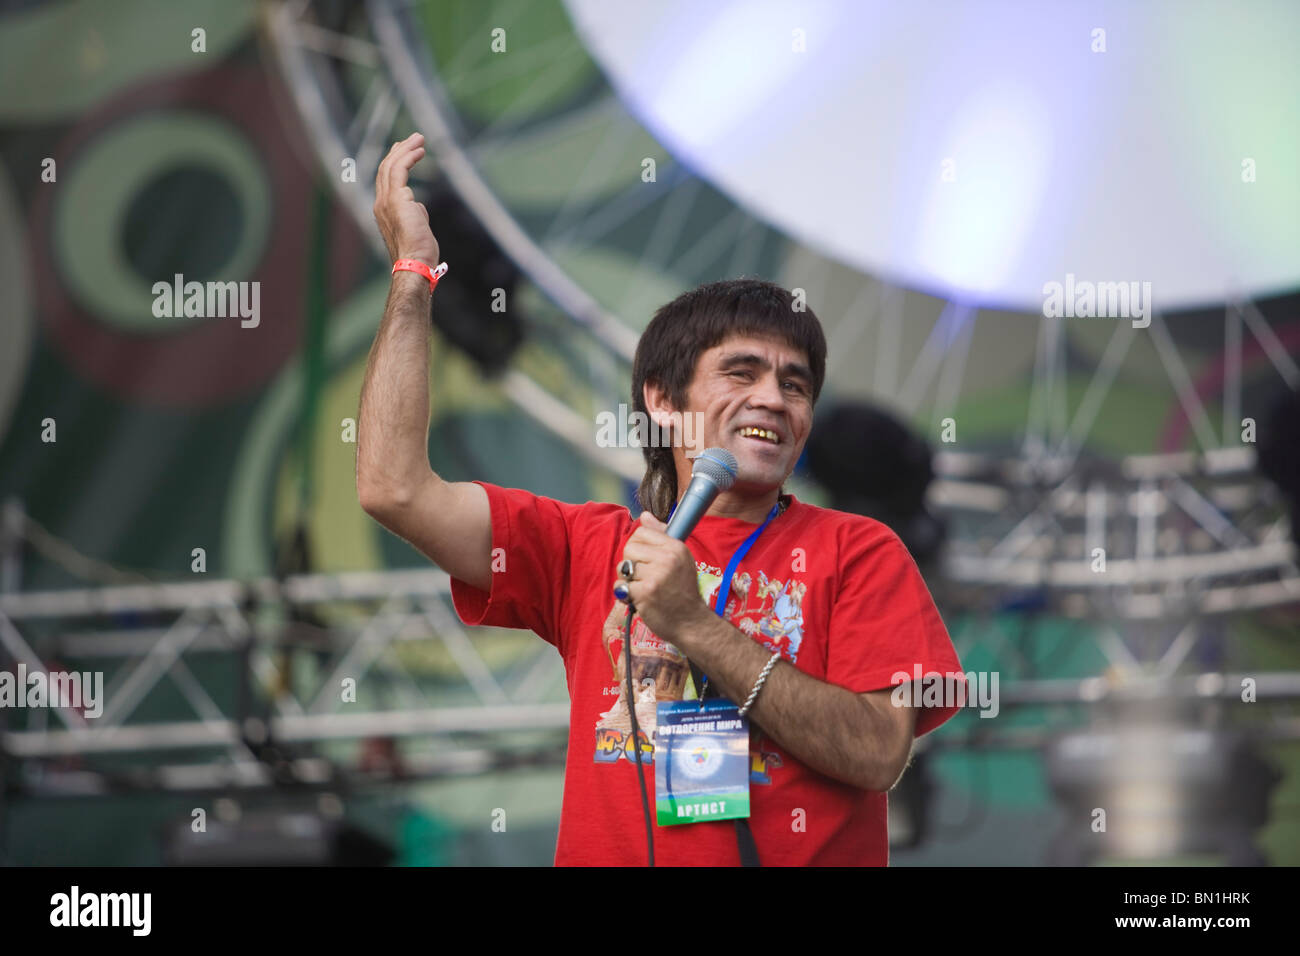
point(215, 360)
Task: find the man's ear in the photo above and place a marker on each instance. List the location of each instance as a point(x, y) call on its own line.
point(657, 404)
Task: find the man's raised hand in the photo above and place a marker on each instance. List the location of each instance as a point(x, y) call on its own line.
point(403, 222)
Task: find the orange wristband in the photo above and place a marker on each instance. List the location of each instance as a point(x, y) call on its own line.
point(415, 265)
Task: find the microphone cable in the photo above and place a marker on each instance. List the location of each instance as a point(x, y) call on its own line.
point(636, 730)
point(714, 471)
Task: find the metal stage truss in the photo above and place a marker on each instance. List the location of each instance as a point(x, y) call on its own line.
point(478, 716)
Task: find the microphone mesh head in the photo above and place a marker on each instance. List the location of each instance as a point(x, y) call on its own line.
point(717, 464)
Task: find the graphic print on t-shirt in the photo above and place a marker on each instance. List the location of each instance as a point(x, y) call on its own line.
point(768, 610)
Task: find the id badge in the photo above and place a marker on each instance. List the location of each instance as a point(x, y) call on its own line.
point(704, 771)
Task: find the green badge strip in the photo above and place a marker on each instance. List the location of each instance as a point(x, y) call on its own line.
point(683, 810)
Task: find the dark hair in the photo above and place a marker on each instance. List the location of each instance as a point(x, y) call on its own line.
point(687, 327)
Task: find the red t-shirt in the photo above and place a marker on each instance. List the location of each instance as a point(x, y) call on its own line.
point(837, 593)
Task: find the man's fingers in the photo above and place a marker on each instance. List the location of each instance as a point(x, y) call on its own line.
point(384, 164)
point(415, 139)
point(387, 179)
point(407, 157)
point(403, 155)
point(399, 166)
point(642, 552)
point(402, 167)
point(650, 536)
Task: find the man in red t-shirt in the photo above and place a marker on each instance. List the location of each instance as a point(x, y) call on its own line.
point(824, 614)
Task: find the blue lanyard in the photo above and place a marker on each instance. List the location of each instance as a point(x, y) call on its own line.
point(724, 588)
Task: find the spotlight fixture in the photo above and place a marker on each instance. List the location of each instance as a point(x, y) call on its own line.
point(873, 465)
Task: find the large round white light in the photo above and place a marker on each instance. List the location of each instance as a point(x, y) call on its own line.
point(982, 150)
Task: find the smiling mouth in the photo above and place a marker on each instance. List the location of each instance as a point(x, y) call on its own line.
point(762, 434)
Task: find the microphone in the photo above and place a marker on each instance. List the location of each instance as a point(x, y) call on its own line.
point(713, 473)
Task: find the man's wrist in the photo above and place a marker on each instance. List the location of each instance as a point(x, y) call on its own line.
point(417, 257)
point(702, 629)
point(406, 279)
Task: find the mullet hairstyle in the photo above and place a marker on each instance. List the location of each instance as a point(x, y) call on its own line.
point(688, 326)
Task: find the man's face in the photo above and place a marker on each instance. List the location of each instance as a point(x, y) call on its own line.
point(754, 398)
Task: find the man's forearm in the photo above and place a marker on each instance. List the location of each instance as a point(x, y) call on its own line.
point(829, 728)
point(393, 433)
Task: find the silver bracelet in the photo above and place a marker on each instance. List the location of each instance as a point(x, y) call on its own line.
point(767, 669)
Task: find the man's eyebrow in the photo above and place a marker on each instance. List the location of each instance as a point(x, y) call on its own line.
point(796, 369)
point(742, 358)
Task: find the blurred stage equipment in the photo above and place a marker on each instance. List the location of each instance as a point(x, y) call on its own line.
point(873, 465)
point(1165, 788)
point(273, 837)
point(1142, 538)
point(471, 310)
point(910, 803)
point(1279, 452)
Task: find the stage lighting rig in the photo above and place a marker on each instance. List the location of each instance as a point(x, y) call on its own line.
point(1279, 452)
point(873, 465)
point(473, 306)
